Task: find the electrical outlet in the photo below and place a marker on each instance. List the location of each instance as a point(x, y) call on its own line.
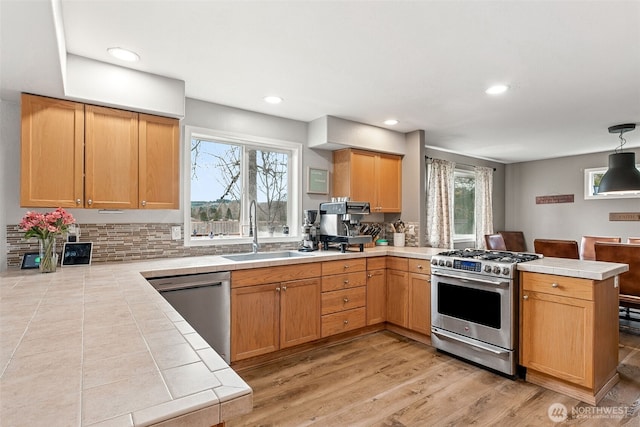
point(175, 232)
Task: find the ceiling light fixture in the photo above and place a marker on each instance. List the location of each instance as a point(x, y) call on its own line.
point(391, 122)
point(496, 89)
point(622, 176)
point(271, 99)
point(123, 54)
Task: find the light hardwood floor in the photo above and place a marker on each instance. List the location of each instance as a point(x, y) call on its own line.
point(384, 379)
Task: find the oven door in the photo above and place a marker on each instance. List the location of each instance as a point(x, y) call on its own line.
point(474, 306)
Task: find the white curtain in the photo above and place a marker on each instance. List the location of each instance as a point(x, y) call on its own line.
point(440, 204)
point(484, 203)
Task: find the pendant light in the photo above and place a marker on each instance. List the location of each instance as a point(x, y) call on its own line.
point(622, 177)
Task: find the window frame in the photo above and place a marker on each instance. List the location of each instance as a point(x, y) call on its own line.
point(459, 238)
point(294, 178)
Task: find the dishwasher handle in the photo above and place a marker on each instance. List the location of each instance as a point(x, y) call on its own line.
point(183, 286)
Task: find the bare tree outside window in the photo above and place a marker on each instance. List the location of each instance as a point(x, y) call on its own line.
point(217, 176)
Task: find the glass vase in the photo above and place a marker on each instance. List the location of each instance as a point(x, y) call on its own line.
point(48, 255)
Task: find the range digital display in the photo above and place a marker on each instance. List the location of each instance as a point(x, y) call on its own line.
point(467, 265)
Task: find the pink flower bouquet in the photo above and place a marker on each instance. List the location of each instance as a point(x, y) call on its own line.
point(46, 225)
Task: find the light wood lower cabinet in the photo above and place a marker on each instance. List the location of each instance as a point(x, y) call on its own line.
point(272, 316)
point(344, 296)
point(376, 290)
point(409, 294)
point(569, 334)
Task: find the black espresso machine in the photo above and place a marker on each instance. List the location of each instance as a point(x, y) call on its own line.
point(340, 224)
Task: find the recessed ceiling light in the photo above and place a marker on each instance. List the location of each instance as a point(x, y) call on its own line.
point(123, 54)
point(391, 122)
point(496, 89)
point(272, 99)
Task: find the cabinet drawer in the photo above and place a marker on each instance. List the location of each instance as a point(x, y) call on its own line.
point(343, 266)
point(558, 285)
point(346, 299)
point(258, 276)
point(376, 263)
point(420, 266)
point(344, 281)
point(397, 263)
point(343, 321)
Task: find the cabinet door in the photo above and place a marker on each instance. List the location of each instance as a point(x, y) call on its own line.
point(376, 296)
point(52, 153)
point(255, 324)
point(389, 183)
point(299, 312)
point(420, 303)
point(363, 178)
point(557, 336)
point(159, 162)
point(398, 297)
point(111, 158)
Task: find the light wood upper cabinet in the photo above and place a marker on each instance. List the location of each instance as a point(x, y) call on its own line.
point(159, 162)
point(52, 153)
point(102, 158)
point(111, 158)
point(368, 176)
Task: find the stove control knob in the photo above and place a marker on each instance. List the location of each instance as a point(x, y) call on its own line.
point(487, 269)
point(449, 264)
point(506, 271)
point(434, 262)
point(441, 263)
point(496, 270)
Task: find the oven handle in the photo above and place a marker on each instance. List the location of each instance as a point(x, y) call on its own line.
point(465, 280)
point(472, 344)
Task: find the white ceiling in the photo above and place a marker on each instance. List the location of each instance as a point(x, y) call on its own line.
point(573, 66)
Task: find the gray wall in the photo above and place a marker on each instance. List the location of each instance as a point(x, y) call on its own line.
point(525, 181)
point(8, 114)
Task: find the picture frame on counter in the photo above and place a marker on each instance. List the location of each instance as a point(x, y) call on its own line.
point(317, 181)
point(592, 177)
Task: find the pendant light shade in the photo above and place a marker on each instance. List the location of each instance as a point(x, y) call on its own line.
point(622, 176)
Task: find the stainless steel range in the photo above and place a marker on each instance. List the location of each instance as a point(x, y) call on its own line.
point(474, 306)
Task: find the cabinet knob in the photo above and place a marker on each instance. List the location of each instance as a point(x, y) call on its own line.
point(89, 202)
point(525, 297)
point(346, 322)
point(143, 203)
point(346, 266)
point(346, 282)
point(420, 267)
point(277, 289)
point(369, 275)
point(554, 285)
point(78, 201)
point(345, 300)
point(284, 288)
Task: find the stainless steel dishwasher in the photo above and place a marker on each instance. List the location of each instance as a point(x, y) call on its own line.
point(204, 300)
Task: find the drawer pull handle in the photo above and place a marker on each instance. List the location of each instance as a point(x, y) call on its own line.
point(554, 285)
point(346, 322)
point(525, 297)
point(346, 300)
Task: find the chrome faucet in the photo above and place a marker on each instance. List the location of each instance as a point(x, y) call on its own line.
point(253, 227)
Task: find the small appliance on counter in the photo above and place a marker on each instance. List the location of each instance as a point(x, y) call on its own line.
point(340, 224)
point(309, 232)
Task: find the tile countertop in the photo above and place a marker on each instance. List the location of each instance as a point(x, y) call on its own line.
point(99, 346)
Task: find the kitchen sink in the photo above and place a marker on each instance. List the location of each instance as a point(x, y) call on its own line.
point(265, 255)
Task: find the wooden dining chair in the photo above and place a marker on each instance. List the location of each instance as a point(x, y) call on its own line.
point(495, 242)
point(587, 249)
point(634, 240)
point(514, 240)
point(557, 248)
point(624, 253)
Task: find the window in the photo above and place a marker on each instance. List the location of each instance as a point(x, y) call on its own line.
point(464, 222)
point(227, 172)
point(592, 179)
